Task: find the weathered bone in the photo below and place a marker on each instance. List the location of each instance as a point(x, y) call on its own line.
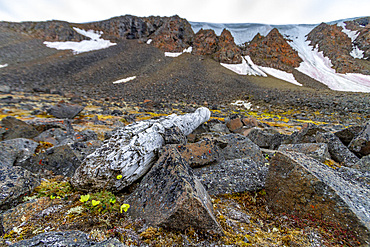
point(131, 152)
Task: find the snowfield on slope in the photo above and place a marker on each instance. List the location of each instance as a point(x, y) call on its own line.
point(314, 64)
point(95, 42)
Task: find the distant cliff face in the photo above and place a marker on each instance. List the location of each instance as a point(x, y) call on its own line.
point(48, 31)
point(223, 48)
point(336, 45)
point(273, 51)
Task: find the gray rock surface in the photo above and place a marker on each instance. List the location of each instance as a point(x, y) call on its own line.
point(363, 164)
point(15, 128)
point(307, 134)
point(43, 124)
point(301, 185)
point(317, 151)
point(15, 182)
point(61, 160)
point(55, 136)
point(338, 151)
point(361, 143)
point(65, 110)
point(170, 196)
point(240, 167)
point(16, 150)
point(230, 176)
point(131, 152)
point(65, 239)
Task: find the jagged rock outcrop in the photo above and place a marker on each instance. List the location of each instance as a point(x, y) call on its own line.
point(12, 128)
point(361, 143)
point(227, 51)
point(170, 196)
point(301, 185)
point(273, 51)
point(205, 42)
point(170, 34)
point(337, 46)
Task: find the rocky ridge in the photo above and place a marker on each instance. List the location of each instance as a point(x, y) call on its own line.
point(272, 51)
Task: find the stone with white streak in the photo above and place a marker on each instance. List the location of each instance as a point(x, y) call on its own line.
point(131, 152)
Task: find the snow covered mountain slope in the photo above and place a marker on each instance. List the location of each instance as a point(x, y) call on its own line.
point(314, 64)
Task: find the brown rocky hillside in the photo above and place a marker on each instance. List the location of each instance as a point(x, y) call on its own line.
point(336, 45)
point(273, 51)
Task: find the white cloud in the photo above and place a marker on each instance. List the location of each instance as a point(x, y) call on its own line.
point(222, 11)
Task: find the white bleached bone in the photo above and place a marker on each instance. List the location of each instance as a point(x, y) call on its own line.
point(131, 152)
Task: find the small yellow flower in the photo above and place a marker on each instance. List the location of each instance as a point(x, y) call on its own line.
point(112, 200)
point(94, 203)
point(119, 176)
point(124, 207)
point(84, 198)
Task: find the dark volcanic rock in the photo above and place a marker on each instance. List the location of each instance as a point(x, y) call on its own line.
point(61, 160)
point(199, 154)
point(54, 136)
point(317, 151)
point(16, 150)
point(307, 134)
point(361, 143)
point(205, 42)
point(231, 176)
point(241, 166)
point(346, 135)
point(273, 51)
point(43, 124)
point(227, 51)
point(15, 128)
point(15, 182)
point(298, 184)
point(65, 110)
point(67, 239)
point(170, 196)
point(338, 151)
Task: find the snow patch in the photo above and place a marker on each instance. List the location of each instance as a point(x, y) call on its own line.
point(125, 80)
point(247, 67)
point(356, 52)
point(3, 65)
point(149, 41)
point(319, 67)
point(176, 54)
point(281, 75)
point(95, 42)
point(242, 103)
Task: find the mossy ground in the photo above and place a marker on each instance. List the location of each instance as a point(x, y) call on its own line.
point(104, 220)
point(63, 210)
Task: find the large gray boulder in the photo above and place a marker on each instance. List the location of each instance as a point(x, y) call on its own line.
point(15, 128)
point(66, 239)
point(16, 150)
point(317, 151)
point(170, 196)
point(15, 182)
point(338, 151)
point(65, 110)
point(240, 166)
point(361, 143)
point(298, 184)
point(132, 150)
point(61, 160)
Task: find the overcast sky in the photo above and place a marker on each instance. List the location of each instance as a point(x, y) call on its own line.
point(219, 11)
